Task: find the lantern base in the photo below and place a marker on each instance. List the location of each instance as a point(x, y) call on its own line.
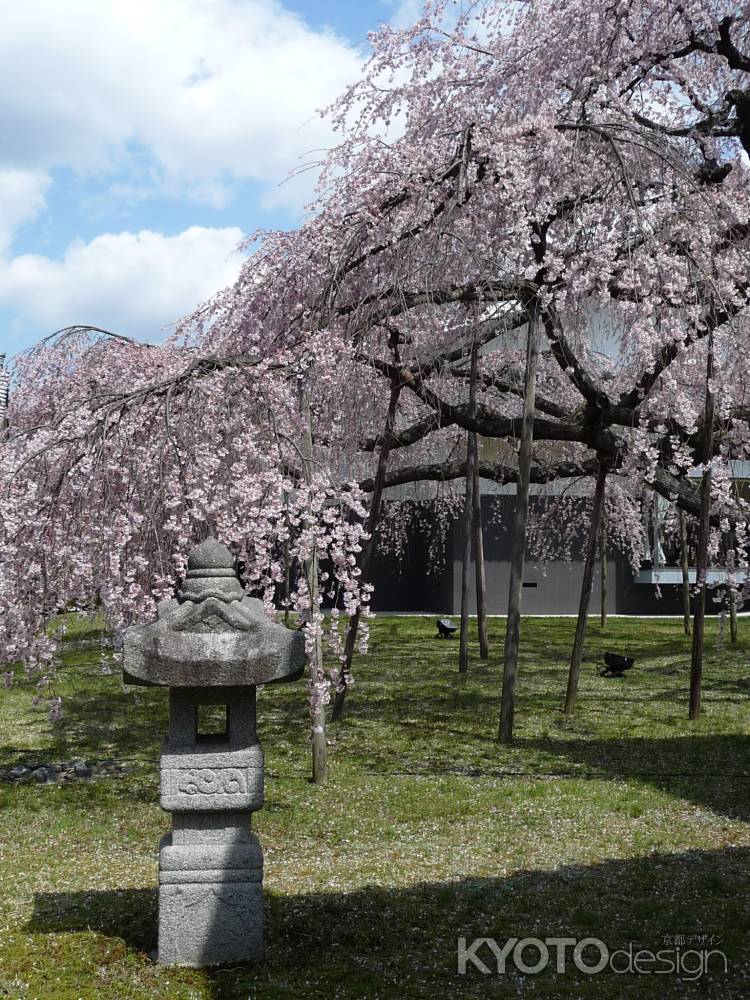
point(210, 903)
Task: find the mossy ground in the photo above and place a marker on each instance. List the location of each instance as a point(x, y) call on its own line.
point(626, 823)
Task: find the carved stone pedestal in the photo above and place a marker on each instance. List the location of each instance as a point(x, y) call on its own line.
point(211, 865)
point(210, 900)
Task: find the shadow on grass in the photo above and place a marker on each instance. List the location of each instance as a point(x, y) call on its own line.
point(401, 942)
point(711, 771)
point(130, 914)
point(101, 724)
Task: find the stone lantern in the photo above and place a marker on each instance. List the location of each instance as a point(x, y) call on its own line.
point(211, 646)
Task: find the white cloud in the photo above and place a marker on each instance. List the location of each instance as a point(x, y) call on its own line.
point(165, 98)
point(133, 283)
point(406, 12)
point(21, 200)
point(213, 90)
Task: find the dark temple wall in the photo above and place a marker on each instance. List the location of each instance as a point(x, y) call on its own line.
point(408, 585)
point(553, 588)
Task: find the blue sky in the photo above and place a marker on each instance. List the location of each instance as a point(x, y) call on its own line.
point(143, 138)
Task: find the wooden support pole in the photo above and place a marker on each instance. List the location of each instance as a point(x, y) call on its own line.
point(704, 527)
point(463, 645)
point(369, 547)
point(473, 534)
point(478, 549)
point(319, 750)
point(603, 580)
point(685, 564)
point(513, 624)
point(732, 547)
point(588, 578)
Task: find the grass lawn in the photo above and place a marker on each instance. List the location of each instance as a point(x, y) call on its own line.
point(626, 823)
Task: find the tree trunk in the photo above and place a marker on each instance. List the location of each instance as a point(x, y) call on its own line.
point(704, 527)
point(317, 677)
point(513, 624)
point(478, 547)
point(368, 549)
point(588, 577)
point(685, 563)
point(603, 581)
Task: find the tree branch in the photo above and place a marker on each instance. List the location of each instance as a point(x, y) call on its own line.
point(497, 473)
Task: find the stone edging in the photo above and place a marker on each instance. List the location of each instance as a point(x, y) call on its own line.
point(61, 773)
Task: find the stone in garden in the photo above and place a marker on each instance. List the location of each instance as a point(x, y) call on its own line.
point(211, 646)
